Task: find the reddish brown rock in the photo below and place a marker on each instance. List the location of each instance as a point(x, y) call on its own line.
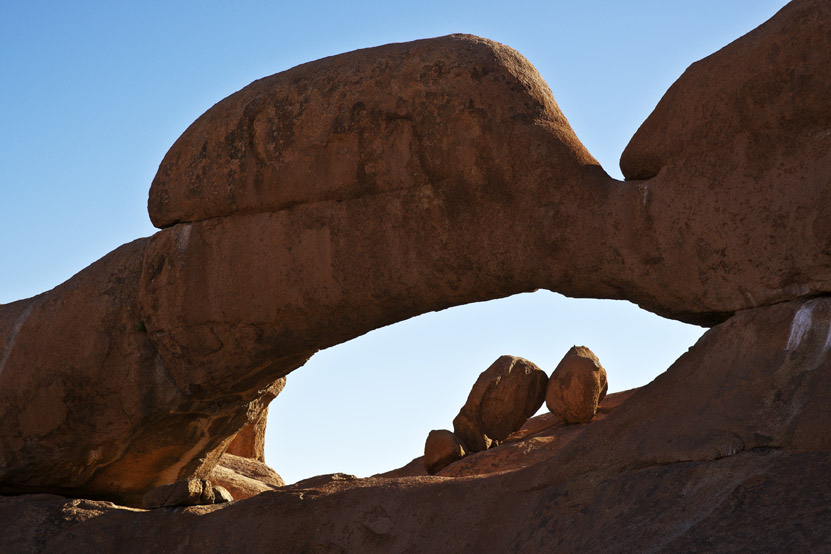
point(249, 442)
point(102, 415)
point(439, 113)
point(222, 495)
point(473, 191)
point(244, 477)
point(98, 394)
point(744, 423)
point(755, 382)
point(188, 492)
point(441, 449)
point(186, 334)
point(577, 386)
point(435, 212)
point(501, 400)
point(538, 440)
point(734, 210)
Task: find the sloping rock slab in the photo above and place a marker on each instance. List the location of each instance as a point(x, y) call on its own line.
point(761, 501)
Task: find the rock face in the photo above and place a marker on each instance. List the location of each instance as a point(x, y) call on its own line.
point(577, 386)
point(503, 398)
point(421, 204)
point(350, 193)
point(249, 442)
point(103, 415)
point(744, 438)
point(188, 492)
point(441, 449)
point(438, 113)
point(753, 383)
point(736, 166)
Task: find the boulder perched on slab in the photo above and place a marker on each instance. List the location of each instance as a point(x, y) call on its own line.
point(244, 477)
point(577, 386)
point(441, 449)
point(501, 400)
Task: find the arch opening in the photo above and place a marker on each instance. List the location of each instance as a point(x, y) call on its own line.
point(366, 406)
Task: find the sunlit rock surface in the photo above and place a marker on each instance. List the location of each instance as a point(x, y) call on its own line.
point(422, 176)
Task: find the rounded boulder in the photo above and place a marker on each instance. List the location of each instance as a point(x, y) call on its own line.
point(577, 386)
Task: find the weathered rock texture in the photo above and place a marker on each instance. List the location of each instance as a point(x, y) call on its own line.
point(738, 463)
point(736, 169)
point(441, 449)
point(188, 492)
point(249, 442)
point(244, 477)
point(577, 385)
point(501, 400)
point(360, 190)
point(88, 406)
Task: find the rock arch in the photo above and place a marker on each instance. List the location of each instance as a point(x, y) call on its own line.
point(349, 193)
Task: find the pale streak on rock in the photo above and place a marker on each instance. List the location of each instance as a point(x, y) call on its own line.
point(21, 319)
point(801, 325)
point(183, 238)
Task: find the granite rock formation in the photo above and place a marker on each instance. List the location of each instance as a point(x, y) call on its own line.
point(249, 442)
point(539, 439)
point(734, 167)
point(188, 492)
point(739, 465)
point(503, 397)
point(577, 386)
point(244, 477)
point(441, 449)
point(102, 415)
point(442, 172)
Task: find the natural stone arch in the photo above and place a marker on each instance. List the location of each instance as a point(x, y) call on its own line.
point(185, 331)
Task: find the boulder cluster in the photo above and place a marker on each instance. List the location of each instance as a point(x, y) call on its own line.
point(510, 391)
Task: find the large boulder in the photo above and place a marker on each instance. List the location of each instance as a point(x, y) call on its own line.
point(501, 400)
point(577, 386)
point(244, 477)
point(440, 114)
point(441, 449)
point(162, 351)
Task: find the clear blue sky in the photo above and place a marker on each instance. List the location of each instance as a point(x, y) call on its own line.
point(94, 93)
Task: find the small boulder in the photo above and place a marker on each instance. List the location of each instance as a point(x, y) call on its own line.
point(441, 449)
point(188, 492)
point(221, 495)
point(576, 387)
point(504, 396)
point(244, 477)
